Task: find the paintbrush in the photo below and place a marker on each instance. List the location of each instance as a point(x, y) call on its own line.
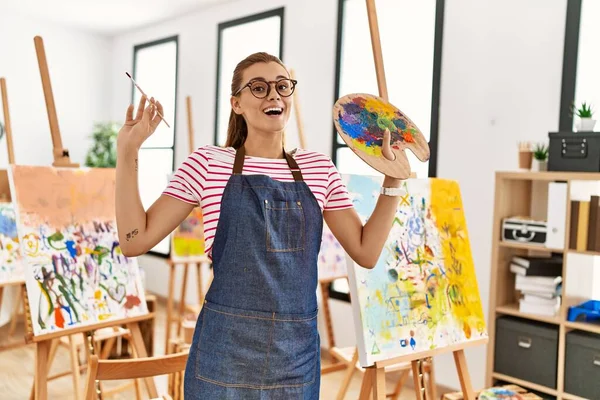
point(144, 94)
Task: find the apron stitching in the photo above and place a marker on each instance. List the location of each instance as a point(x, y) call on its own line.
point(262, 380)
point(253, 317)
point(257, 387)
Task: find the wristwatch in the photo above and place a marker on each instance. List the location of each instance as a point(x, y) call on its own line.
point(392, 191)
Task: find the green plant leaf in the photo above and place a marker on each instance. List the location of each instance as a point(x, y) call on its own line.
point(103, 152)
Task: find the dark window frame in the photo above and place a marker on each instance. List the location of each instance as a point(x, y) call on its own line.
point(277, 12)
point(136, 48)
point(435, 100)
point(569, 71)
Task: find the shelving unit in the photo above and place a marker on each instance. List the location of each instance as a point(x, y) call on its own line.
point(515, 194)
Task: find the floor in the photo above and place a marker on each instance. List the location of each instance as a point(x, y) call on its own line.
point(17, 371)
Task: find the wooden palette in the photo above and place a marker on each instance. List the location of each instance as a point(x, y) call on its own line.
point(361, 119)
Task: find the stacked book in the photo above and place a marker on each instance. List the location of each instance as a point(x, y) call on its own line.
point(585, 224)
point(539, 279)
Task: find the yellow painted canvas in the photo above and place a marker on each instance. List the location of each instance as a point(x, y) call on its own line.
point(187, 239)
point(422, 294)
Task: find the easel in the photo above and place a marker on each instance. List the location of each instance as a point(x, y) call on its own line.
point(46, 344)
point(374, 378)
point(5, 196)
point(172, 263)
point(299, 123)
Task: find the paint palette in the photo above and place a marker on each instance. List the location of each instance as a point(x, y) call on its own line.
point(361, 120)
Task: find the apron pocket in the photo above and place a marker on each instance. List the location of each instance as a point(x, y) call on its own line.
point(285, 225)
point(248, 349)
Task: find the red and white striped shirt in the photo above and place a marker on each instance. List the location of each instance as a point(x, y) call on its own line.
point(201, 180)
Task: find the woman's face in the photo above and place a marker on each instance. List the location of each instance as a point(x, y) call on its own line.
point(264, 112)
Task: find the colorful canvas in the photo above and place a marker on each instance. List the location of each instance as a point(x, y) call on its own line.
point(422, 294)
point(332, 257)
point(361, 120)
point(188, 239)
point(75, 272)
point(11, 267)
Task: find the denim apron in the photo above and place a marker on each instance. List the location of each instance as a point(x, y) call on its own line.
point(256, 336)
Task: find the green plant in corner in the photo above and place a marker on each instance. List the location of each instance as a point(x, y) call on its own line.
point(540, 152)
point(584, 111)
point(103, 153)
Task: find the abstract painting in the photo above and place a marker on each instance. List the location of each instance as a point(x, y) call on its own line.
point(75, 272)
point(332, 257)
point(11, 267)
point(422, 294)
point(188, 239)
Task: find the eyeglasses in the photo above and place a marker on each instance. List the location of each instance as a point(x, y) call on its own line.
point(261, 89)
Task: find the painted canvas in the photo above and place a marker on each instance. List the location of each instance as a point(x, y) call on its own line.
point(332, 257)
point(423, 293)
point(188, 239)
point(75, 272)
point(11, 267)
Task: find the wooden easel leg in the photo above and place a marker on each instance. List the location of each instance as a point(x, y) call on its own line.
point(463, 375)
point(138, 343)
point(367, 384)
point(42, 352)
point(16, 313)
point(182, 299)
point(1, 296)
point(379, 384)
point(200, 286)
point(431, 380)
point(170, 303)
point(350, 369)
point(417, 370)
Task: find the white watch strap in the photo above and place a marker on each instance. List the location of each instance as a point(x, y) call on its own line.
point(393, 191)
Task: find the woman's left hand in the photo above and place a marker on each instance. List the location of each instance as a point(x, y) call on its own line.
point(386, 149)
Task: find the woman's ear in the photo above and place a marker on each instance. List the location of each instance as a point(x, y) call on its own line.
point(235, 105)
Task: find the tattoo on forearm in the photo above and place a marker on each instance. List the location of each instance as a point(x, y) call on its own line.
point(136, 164)
point(131, 234)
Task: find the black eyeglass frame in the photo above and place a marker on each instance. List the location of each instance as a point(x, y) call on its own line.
point(249, 85)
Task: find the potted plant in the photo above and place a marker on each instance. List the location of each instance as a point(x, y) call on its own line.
point(585, 114)
point(103, 153)
point(540, 155)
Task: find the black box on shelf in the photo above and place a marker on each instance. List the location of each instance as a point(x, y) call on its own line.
point(574, 151)
point(527, 350)
point(582, 364)
point(524, 230)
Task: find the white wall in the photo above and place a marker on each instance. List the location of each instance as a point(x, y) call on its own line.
point(501, 77)
point(80, 80)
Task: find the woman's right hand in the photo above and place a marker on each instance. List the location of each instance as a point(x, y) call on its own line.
point(135, 131)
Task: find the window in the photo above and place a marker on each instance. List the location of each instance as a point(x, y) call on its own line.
point(155, 71)
point(411, 48)
point(581, 82)
point(237, 40)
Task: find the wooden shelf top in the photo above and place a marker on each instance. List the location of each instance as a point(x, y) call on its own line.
point(548, 175)
point(513, 309)
point(526, 246)
point(583, 326)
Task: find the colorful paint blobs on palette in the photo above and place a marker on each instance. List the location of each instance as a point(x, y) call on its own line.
point(364, 118)
point(422, 293)
point(11, 267)
point(75, 272)
point(188, 238)
point(332, 257)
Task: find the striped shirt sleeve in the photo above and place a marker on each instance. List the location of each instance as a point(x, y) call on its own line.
point(188, 181)
point(336, 195)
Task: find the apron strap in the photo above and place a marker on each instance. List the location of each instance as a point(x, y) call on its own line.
point(238, 164)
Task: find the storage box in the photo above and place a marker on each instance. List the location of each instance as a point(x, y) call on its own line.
point(524, 230)
point(527, 350)
point(582, 364)
point(574, 151)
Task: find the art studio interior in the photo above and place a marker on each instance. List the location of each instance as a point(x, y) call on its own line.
point(284, 199)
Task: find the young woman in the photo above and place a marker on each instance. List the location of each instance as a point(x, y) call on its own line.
point(263, 209)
